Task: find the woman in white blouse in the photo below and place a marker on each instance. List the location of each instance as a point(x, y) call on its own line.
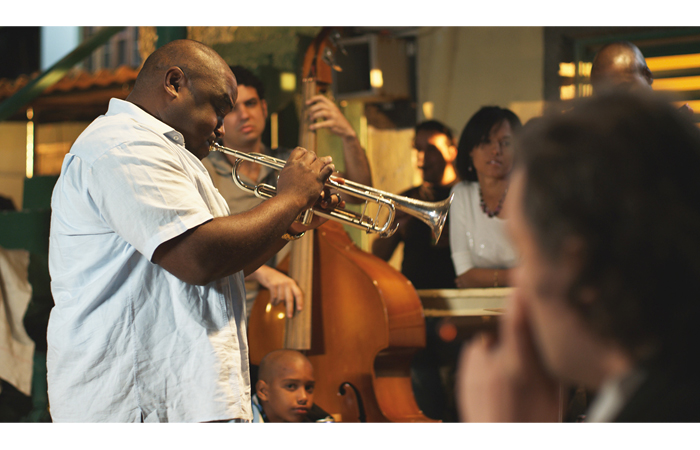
point(481, 251)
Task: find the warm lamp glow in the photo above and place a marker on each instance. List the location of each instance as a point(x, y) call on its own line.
point(693, 104)
point(30, 144)
point(280, 316)
point(567, 92)
point(585, 90)
point(567, 69)
point(673, 62)
point(288, 81)
point(428, 108)
point(677, 84)
point(375, 78)
point(584, 68)
point(274, 130)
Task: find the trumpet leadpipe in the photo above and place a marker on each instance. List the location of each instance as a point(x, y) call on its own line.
point(433, 214)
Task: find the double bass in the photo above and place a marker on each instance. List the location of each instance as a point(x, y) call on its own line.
point(362, 320)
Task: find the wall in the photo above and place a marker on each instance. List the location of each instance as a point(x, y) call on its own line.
point(461, 69)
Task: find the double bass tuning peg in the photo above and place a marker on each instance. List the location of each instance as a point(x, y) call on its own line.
point(329, 58)
point(335, 40)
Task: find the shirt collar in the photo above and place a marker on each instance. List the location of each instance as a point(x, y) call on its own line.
point(613, 395)
point(118, 106)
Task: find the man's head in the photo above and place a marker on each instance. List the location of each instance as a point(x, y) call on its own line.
point(246, 122)
point(432, 133)
point(605, 212)
point(286, 386)
point(620, 65)
point(432, 162)
point(188, 86)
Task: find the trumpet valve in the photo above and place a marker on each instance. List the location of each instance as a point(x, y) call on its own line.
point(305, 217)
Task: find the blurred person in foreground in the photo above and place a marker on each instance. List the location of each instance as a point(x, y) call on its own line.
point(605, 212)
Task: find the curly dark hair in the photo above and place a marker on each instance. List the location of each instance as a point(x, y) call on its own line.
point(476, 131)
point(622, 173)
point(247, 78)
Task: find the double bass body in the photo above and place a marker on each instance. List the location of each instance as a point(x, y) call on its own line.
point(367, 323)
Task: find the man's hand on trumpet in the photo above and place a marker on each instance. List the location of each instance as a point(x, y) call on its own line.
point(303, 178)
point(327, 201)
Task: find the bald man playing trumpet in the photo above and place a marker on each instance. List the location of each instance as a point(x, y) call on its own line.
point(146, 263)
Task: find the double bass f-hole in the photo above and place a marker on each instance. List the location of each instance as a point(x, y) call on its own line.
point(361, 417)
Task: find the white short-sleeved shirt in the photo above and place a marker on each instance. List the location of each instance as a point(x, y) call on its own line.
point(127, 340)
point(476, 240)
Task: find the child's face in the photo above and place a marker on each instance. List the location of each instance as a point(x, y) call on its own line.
point(290, 394)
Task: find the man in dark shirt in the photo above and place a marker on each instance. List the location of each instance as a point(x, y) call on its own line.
point(428, 265)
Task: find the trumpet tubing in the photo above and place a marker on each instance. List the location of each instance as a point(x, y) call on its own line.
point(433, 214)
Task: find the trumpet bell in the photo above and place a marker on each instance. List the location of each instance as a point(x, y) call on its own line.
point(433, 214)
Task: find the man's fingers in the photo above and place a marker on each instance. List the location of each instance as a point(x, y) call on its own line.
point(298, 297)
point(288, 301)
point(327, 171)
point(330, 201)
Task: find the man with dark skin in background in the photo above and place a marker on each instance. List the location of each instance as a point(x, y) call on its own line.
point(621, 66)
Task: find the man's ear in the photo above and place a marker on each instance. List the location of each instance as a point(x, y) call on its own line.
point(452, 153)
point(573, 254)
point(174, 80)
point(263, 104)
point(261, 390)
point(573, 257)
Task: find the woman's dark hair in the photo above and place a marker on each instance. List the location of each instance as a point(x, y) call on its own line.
point(621, 173)
point(247, 78)
point(477, 131)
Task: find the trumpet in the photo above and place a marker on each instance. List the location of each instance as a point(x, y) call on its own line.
point(433, 214)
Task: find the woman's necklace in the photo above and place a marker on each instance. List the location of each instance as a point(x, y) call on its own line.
point(485, 208)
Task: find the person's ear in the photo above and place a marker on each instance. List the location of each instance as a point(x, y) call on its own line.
point(573, 254)
point(451, 153)
point(173, 81)
point(573, 258)
point(263, 104)
point(262, 391)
